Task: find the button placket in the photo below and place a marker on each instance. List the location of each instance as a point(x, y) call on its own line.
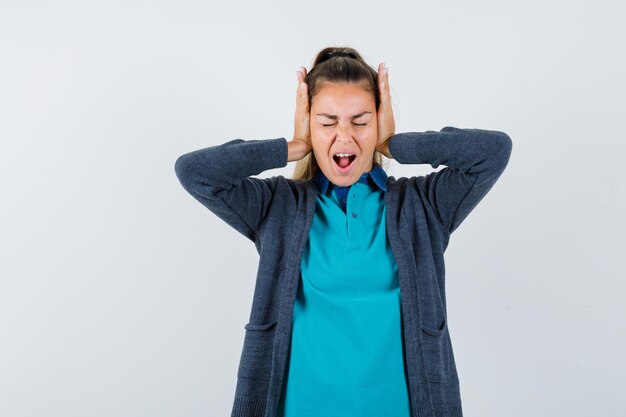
point(353, 211)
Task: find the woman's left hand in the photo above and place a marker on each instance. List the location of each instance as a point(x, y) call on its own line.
point(386, 122)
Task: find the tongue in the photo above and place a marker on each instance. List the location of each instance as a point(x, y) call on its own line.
point(344, 161)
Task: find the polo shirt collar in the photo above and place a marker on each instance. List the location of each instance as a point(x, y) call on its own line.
point(377, 175)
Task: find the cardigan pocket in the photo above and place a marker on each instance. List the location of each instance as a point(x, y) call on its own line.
point(436, 354)
point(252, 326)
point(256, 355)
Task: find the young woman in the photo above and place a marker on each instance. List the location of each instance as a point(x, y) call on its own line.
point(349, 310)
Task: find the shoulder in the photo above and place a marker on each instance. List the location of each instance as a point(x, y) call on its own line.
point(287, 189)
point(407, 191)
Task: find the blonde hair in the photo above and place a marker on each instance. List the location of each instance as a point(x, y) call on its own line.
point(347, 69)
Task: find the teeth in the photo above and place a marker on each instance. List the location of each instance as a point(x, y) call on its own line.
point(343, 154)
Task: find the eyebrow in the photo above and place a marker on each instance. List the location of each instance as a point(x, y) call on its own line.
point(334, 116)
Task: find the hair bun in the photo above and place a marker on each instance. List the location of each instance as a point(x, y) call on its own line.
point(337, 53)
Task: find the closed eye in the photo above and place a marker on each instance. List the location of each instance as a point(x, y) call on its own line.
point(357, 124)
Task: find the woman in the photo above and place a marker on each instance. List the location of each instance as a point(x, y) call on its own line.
point(349, 310)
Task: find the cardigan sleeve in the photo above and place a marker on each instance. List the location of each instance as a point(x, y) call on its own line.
point(219, 177)
point(474, 159)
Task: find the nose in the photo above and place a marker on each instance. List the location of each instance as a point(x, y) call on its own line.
point(343, 134)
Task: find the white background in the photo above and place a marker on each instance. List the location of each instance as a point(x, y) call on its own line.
point(120, 295)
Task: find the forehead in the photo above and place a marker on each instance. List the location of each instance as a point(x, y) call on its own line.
point(342, 99)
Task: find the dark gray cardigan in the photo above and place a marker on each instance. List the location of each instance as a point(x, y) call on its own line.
point(276, 214)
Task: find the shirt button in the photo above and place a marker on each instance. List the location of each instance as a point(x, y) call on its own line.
point(354, 214)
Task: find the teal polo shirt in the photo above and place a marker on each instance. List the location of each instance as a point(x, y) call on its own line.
point(346, 356)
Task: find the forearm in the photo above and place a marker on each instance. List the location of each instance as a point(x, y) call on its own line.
point(467, 150)
point(228, 163)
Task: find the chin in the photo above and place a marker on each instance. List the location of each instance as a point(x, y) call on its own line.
point(344, 182)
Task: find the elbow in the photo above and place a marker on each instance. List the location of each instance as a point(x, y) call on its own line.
point(505, 142)
point(504, 148)
point(506, 145)
point(183, 168)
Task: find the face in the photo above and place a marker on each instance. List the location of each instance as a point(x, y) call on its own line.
point(343, 120)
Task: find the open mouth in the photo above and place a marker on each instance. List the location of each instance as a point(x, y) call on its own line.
point(344, 160)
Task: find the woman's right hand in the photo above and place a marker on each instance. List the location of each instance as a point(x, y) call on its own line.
point(300, 145)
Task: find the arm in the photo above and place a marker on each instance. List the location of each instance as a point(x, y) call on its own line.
point(474, 160)
point(219, 177)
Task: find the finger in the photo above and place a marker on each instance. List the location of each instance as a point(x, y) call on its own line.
point(302, 102)
point(381, 77)
point(301, 74)
point(304, 96)
point(300, 77)
point(302, 90)
point(384, 84)
point(386, 78)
